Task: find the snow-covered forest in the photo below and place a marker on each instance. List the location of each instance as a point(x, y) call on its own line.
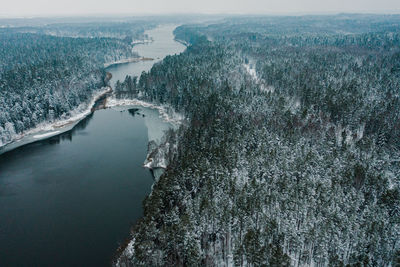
point(48, 71)
point(290, 150)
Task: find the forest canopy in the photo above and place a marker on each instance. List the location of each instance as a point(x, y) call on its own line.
point(290, 153)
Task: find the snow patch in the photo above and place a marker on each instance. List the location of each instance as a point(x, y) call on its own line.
point(130, 249)
point(148, 163)
point(126, 60)
point(39, 136)
point(127, 254)
point(293, 105)
point(145, 41)
point(360, 132)
point(252, 72)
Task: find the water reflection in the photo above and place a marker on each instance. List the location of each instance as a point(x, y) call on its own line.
point(67, 136)
point(55, 140)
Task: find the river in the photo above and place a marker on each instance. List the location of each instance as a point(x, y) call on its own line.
point(70, 200)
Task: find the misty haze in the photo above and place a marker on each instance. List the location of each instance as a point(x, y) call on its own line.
point(200, 133)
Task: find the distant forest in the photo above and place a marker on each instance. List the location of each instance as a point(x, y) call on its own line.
point(290, 151)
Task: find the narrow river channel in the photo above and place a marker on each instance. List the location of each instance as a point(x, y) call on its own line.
point(70, 200)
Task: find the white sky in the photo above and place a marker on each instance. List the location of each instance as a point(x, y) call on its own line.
point(83, 7)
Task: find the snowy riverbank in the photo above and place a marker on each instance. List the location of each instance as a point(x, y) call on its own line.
point(49, 129)
point(127, 60)
point(182, 42)
point(166, 112)
point(145, 41)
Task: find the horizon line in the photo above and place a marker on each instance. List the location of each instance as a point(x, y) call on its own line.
point(155, 14)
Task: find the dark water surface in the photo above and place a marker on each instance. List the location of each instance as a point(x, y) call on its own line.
point(70, 200)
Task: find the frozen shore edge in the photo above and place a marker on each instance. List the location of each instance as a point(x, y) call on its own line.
point(127, 60)
point(166, 112)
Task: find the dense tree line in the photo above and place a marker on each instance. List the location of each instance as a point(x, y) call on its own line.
point(290, 153)
point(44, 78)
point(125, 30)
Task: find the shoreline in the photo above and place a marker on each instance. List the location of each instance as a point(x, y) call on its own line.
point(155, 159)
point(127, 60)
point(145, 41)
point(125, 250)
point(167, 113)
point(182, 42)
point(47, 130)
